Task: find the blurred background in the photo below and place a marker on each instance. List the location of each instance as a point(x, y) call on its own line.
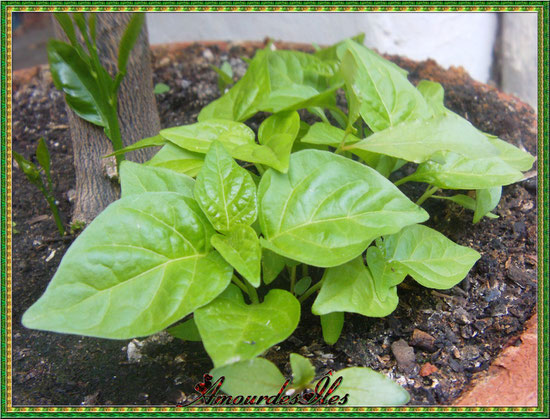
point(495, 48)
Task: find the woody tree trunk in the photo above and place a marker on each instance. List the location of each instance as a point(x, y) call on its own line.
point(137, 112)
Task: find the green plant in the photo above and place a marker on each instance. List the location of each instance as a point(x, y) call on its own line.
point(225, 76)
point(161, 88)
point(36, 174)
point(217, 247)
point(89, 89)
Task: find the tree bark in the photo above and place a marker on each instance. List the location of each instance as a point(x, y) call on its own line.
point(137, 112)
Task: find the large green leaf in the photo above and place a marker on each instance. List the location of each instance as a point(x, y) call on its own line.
point(513, 156)
point(428, 256)
point(233, 331)
point(327, 208)
point(256, 377)
point(136, 178)
point(351, 287)
point(140, 266)
point(382, 92)
point(303, 372)
point(369, 388)
point(186, 331)
point(177, 159)
point(225, 191)
point(458, 172)
point(486, 201)
point(72, 75)
point(419, 139)
point(241, 249)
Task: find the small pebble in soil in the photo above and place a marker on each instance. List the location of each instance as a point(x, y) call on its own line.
point(423, 340)
point(404, 354)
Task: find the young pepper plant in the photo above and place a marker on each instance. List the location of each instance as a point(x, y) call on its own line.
point(318, 196)
point(89, 89)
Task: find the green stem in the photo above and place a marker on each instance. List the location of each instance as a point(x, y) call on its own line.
point(404, 180)
point(312, 289)
point(305, 270)
point(239, 283)
point(430, 190)
point(260, 168)
point(115, 136)
point(252, 293)
point(342, 143)
point(292, 279)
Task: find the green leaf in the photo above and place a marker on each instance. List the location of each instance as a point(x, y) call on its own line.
point(384, 95)
point(418, 140)
point(161, 88)
point(73, 76)
point(186, 331)
point(278, 132)
point(137, 178)
point(302, 285)
point(351, 288)
point(177, 159)
point(157, 140)
point(303, 372)
point(272, 265)
point(457, 172)
point(241, 249)
point(513, 156)
point(463, 200)
point(225, 75)
point(29, 169)
point(434, 94)
point(225, 191)
point(386, 274)
point(327, 208)
point(233, 331)
point(369, 388)
point(332, 325)
point(428, 256)
point(129, 38)
point(326, 134)
point(257, 376)
point(140, 266)
point(486, 201)
point(43, 156)
point(67, 25)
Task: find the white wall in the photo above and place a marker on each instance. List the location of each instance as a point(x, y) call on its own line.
point(458, 39)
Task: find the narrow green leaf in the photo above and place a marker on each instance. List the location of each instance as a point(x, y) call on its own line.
point(264, 377)
point(326, 134)
point(139, 267)
point(129, 38)
point(137, 178)
point(29, 169)
point(463, 200)
point(67, 25)
point(302, 285)
point(186, 331)
point(303, 372)
point(43, 156)
point(369, 388)
point(332, 325)
point(177, 159)
point(157, 140)
point(350, 287)
point(486, 201)
point(233, 331)
point(327, 208)
point(458, 172)
point(428, 256)
point(225, 191)
point(241, 249)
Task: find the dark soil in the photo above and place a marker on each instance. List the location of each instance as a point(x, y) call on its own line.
point(465, 327)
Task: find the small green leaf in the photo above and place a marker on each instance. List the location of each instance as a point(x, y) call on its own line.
point(186, 331)
point(323, 133)
point(486, 201)
point(161, 88)
point(137, 178)
point(157, 140)
point(303, 372)
point(350, 287)
point(225, 75)
point(463, 200)
point(29, 169)
point(386, 274)
point(233, 331)
point(457, 172)
point(225, 191)
point(241, 249)
point(129, 38)
point(177, 159)
point(272, 265)
point(332, 325)
point(302, 285)
point(139, 267)
point(369, 388)
point(278, 132)
point(43, 156)
point(264, 377)
point(327, 208)
point(428, 256)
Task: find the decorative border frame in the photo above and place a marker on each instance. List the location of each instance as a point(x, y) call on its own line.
point(542, 9)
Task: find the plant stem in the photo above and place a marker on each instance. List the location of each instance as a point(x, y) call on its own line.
point(430, 190)
point(292, 279)
point(305, 270)
point(239, 283)
point(116, 137)
point(252, 293)
point(312, 289)
point(403, 180)
point(260, 168)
